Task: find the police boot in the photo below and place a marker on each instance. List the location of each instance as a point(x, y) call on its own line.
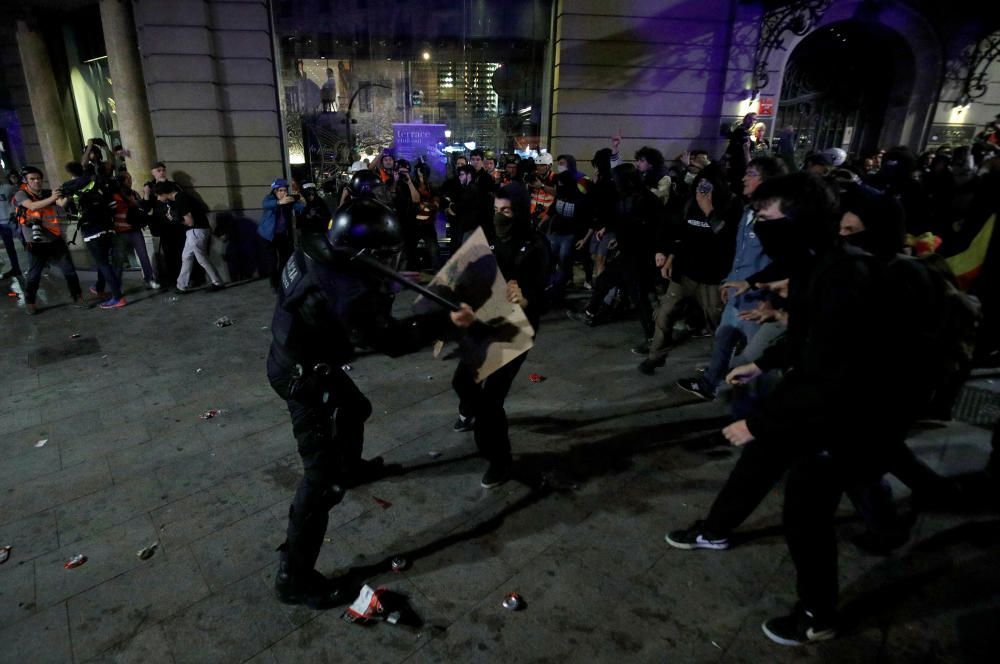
point(364, 471)
point(310, 588)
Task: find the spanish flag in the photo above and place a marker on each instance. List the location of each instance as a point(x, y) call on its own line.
point(967, 264)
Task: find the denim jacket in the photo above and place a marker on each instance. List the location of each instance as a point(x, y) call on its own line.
point(749, 259)
point(269, 220)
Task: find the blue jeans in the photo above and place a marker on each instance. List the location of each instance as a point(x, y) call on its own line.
point(728, 335)
point(132, 241)
point(562, 250)
point(100, 250)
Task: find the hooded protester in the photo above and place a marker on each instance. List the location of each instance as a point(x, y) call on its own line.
point(838, 330)
point(522, 257)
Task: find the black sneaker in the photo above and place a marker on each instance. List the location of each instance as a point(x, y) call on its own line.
point(696, 537)
point(649, 367)
point(799, 628)
point(495, 475)
point(694, 387)
point(463, 424)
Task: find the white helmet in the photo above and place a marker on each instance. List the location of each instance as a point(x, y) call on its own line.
point(836, 156)
point(544, 159)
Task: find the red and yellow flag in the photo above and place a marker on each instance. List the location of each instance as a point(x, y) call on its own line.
point(967, 264)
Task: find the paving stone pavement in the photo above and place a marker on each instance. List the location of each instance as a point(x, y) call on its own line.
point(128, 462)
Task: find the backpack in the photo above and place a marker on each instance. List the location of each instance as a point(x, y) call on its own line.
point(948, 325)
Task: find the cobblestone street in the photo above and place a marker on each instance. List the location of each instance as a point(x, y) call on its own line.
point(608, 461)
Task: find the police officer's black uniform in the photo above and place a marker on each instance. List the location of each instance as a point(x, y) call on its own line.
point(324, 300)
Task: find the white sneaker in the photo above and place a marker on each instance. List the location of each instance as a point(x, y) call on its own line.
point(154, 284)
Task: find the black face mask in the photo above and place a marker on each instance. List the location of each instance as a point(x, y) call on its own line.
point(783, 241)
point(503, 225)
point(861, 240)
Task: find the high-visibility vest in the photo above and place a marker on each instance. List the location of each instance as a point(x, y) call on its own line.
point(46, 217)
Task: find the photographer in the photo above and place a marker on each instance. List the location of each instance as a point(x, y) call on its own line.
point(276, 227)
point(315, 215)
point(90, 199)
point(36, 213)
point(462, 206)
point(405, 198)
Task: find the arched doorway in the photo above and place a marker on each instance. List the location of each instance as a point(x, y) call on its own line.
point(846, 85)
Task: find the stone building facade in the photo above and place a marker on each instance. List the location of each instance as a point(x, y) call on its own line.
point(202, 84)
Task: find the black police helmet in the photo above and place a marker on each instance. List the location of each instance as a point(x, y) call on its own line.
point(363, 183)
point(364, 223)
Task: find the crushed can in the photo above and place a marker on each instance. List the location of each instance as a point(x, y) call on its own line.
point(75, 561)
point(513, 602)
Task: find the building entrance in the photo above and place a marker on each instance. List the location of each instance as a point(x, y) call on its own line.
point(841, 87)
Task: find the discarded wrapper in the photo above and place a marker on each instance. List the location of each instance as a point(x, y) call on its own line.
point(42, 442)
point(366, 607)
point(536, 378)
point(210, 413)
point(224, 321)
point(399, 564)
point(4, 554)
point(347, 367)
point(75, 561)
point(147, 552)
point(434, 454)
point(513, 602)
point(74, 336)
point(197, 370)
point(393, 617)
point(384, 504)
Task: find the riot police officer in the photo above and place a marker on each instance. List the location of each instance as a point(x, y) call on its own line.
point(326, 296)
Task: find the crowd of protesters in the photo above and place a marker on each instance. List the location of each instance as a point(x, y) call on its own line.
point(824, 284)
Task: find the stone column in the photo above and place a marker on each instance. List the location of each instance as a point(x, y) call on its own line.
point(45, 104)
point(131, 104)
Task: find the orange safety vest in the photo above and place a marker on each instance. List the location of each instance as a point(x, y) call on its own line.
point(46, 217)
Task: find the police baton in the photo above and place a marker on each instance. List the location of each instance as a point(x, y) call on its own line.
point(389, 273)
